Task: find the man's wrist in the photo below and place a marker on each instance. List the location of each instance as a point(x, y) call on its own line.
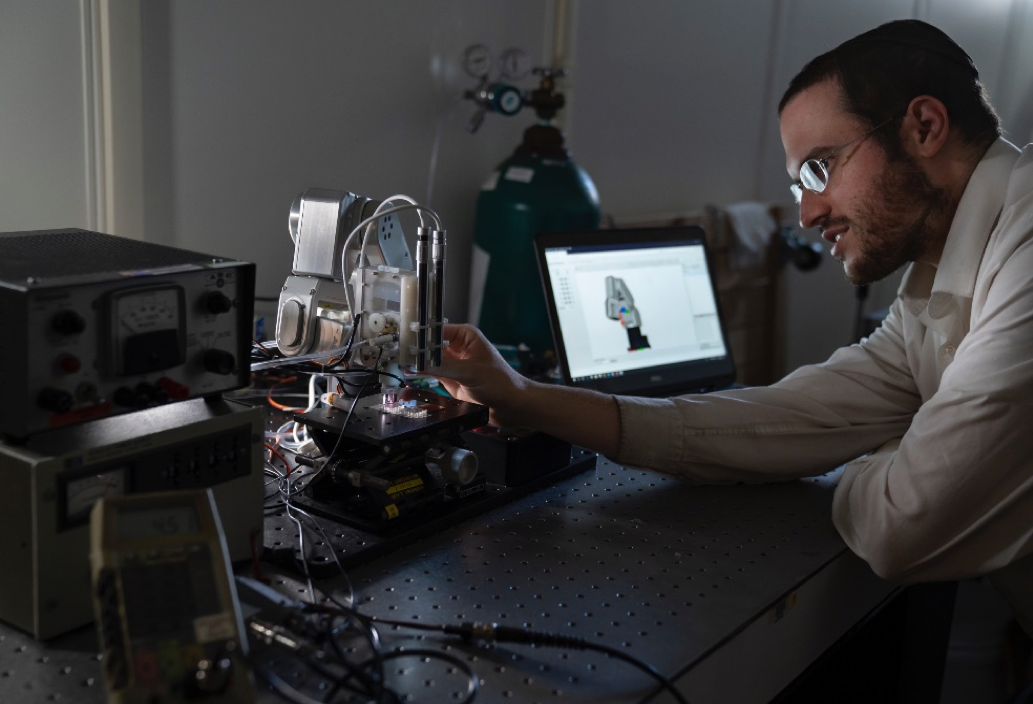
point(525, 407)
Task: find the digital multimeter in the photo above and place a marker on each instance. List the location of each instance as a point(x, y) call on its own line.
point(167, 614)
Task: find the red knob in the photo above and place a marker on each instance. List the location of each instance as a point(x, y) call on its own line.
point(69, 363)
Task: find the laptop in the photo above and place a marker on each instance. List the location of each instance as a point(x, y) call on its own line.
point(634, 311)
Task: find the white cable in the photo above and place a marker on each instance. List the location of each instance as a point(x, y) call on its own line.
point(312, 395)
point(384, 204)
point(345, 273)
point(289, 428)
point(333, 553)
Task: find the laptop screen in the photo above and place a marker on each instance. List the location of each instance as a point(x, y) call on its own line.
point(634, 311)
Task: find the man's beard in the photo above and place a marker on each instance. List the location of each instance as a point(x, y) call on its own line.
point(901, 217)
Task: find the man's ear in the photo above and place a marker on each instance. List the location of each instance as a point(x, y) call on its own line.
point(926, 126)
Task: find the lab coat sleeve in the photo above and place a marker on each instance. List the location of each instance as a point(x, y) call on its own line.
point(809, 423)
point(954, 496)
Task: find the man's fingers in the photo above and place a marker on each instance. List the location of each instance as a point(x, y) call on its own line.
point(452, 387)
point(447, 368)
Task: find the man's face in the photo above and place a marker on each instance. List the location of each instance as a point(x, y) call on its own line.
point(878, 211)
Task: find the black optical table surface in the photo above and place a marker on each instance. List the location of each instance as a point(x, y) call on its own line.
point(672, 573)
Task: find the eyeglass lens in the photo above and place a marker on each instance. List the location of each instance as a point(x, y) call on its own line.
point(813, 175)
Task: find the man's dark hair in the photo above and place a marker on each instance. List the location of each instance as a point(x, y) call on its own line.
point(882, 70)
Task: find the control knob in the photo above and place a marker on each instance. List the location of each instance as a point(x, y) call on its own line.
point(68, 322)
point(219, 362)
point(55, 400)
point(125, 396)
point(456, 464)
point(217, 303)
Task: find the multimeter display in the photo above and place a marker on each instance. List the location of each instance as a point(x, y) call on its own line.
point(141, 523)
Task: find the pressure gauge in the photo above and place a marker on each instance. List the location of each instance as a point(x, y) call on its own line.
point(146, 329)
point(84, 490)
point(516, 64)
point(477, 61)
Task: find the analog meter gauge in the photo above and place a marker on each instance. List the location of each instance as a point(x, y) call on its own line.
point(516, 64)
point(81, 492)
point(147, 329)
point(477, 61)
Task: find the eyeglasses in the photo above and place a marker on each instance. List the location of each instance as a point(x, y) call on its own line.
point(814, 173)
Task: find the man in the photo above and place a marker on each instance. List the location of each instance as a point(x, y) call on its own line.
point(896, 156)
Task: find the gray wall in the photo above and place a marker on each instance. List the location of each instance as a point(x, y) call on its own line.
point(247, 102)
point(46, 150)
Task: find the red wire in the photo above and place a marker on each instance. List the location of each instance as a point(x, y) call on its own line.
point(279, 455)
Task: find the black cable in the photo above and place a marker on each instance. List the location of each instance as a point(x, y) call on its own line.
point(469, 632)
point(365, 380)
point(351, 409)
point(339, 376)
point(506, 634)
point(281, 687)
point(373, 639)
point(400, 380)
point(351, 336)
point(256, 345)
point(365, 686)
point(473, 682)
point(310, 626)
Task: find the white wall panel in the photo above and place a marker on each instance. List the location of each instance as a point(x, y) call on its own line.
point(43, 128)
point(981, 28)
point(1014, 97)
point(666, 101)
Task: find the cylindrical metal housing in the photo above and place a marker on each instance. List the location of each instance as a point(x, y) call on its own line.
point(438, 310)
point(422, 295)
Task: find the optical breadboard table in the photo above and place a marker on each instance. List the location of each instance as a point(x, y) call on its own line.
point(729, 591)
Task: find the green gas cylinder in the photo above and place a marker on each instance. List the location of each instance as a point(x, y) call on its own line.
point(538, 189)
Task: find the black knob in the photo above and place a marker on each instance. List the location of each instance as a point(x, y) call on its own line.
point(68, 322)
point(218, 302)
point(124, 396)
point(155, 395)
point(55, 400)
point(219, 362)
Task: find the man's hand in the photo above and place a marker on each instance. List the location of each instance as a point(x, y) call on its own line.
point(473, 370)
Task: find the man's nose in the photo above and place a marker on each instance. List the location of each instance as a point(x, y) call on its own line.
point(813, 208)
